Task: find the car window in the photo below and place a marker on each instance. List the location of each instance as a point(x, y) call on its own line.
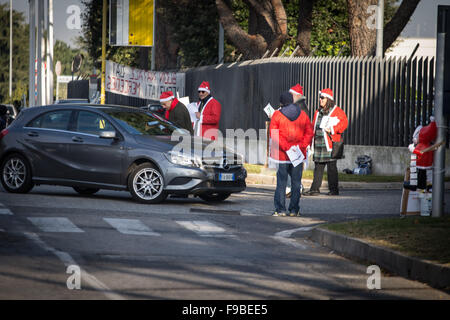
point(144, 123)
point(92, 123)
point(52, 120)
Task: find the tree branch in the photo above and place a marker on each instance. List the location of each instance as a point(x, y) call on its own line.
point(398, 22)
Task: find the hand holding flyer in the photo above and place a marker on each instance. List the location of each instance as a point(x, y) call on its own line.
point(295, 155)
point(269, 110)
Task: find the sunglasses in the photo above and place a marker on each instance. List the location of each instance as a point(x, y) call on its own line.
point(322, 97)
point(202, 92)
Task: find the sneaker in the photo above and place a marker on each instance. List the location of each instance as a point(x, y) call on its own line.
point(311, 193)
point(333, 193)
point(278, 214)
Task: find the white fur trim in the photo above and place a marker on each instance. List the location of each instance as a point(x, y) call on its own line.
point(204, 89)
point(166, 99)
point(293, 91)
point(326, 95)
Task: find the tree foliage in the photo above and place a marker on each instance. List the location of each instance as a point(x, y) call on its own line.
point(20, 55)
point(91, 39)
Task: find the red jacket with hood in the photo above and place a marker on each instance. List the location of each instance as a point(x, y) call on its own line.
point(289, 126)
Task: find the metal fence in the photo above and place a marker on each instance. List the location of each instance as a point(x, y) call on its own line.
point(384, 99)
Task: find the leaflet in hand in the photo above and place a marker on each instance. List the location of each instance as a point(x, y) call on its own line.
point(269, 110)
point(295, 155)
point(328, 122)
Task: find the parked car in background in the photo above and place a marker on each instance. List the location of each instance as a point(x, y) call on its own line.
point(12, 111)
point(155, 107)
point(68, 101)
point(93, 147)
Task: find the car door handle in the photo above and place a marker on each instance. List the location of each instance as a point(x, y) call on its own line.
point(33, 134)
point(77, 139)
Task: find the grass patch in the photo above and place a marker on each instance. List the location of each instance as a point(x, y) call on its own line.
point(421, 237)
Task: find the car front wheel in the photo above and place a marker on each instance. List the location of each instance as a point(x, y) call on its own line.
point(16, 174)
point(146, 184)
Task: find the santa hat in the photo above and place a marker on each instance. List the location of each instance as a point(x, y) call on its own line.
point(297, 89)
point(205, 87)
point(428, 133)
point(327, 93)
point(166, 96)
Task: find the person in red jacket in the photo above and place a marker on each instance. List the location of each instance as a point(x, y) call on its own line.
point(329, 123)
point(423, 139)
point(289, 127)
point(208, 114)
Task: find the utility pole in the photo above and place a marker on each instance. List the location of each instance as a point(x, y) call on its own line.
point(102, 96)
point(32, 58)
point(10, 46)
point(439, 154)
point(221, 40)
point(153, 62)
point(49, 78)
point(380, 28)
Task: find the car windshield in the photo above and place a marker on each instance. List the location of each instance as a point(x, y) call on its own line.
point(141, 123)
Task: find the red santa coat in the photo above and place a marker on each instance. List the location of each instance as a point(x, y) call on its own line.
point(286, 133)
point(208, 124)
point(337, 130)
point(426, 137)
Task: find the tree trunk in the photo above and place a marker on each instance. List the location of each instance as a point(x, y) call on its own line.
point(304, 27)
point(398, 22)
point(363, 37)
point(267, 27)
point(166, 47)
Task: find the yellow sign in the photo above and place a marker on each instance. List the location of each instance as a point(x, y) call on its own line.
point(140, 32)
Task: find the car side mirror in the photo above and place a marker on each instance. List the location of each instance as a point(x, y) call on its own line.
point(108, 135)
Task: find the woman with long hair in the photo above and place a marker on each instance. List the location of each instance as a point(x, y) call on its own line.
point(329, 123)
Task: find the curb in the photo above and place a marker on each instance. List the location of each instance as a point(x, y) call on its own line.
point(435, 275)
point(254, 178)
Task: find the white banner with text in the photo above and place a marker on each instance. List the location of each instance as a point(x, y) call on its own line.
point(142, 84)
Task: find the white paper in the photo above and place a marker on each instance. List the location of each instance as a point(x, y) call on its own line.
point(192, 108)
point(269, 110)
point(328, 122)
point(295, 155)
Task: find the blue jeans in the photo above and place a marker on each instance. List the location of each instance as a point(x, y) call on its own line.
point(285, 170)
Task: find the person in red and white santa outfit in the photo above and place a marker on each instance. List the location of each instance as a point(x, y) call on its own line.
point(176, 111)
point(329, 122)
point(422, 139)
point(208, 114)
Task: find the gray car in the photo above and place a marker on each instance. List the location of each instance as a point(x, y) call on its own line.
point(93, 147)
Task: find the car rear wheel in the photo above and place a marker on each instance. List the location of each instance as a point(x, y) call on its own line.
point(16, 174)
point(146, 184)
point(215, 197)
point(85, 191)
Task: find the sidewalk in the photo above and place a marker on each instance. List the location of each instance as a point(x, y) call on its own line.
point(271, 180)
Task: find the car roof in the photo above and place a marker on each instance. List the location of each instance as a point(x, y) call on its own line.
point(87, 106)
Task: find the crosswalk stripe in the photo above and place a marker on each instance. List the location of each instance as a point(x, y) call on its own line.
point(5, 211)
point(131, 226)
point(55, 225)
point(204, 228)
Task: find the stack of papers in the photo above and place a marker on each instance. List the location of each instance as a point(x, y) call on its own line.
point(269, 110)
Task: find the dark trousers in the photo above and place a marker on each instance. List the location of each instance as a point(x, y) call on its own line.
point(319, 168)
point(285, 170)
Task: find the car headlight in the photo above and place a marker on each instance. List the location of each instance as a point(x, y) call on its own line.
point(183, 159)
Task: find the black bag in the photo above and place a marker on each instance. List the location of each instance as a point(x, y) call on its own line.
point(338, 150)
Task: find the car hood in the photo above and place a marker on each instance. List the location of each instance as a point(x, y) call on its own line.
point(198, 146)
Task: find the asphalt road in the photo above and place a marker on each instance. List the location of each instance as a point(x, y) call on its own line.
point(185, 248)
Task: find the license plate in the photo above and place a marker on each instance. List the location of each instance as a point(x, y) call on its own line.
point(226, 176)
